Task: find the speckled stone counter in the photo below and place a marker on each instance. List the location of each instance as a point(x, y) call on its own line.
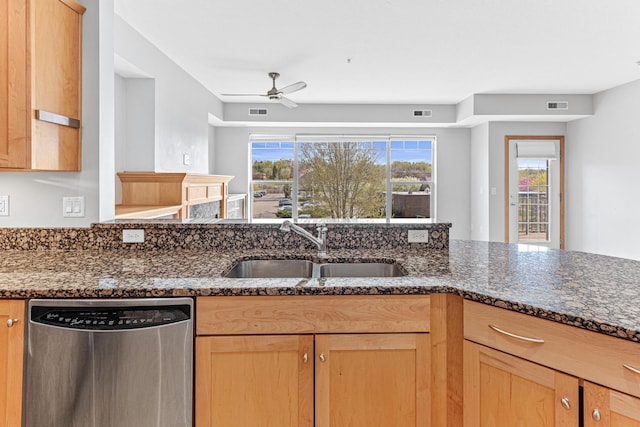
point(594, 292)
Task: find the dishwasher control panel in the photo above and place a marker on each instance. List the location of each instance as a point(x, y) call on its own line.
point(110, 318)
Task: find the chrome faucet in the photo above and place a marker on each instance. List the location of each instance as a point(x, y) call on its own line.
point(320, 241)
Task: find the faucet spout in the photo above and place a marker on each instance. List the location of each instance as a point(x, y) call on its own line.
point(320, 241)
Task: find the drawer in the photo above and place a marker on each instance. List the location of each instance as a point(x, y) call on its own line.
point(588, 355)
point(196, 193)
point(312, 314)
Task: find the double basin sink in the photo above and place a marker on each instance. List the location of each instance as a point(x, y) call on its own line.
point(277, 268)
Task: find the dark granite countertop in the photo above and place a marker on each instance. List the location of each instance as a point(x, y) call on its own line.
point(594, 292)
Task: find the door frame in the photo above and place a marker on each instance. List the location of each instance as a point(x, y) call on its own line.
point(509, 138)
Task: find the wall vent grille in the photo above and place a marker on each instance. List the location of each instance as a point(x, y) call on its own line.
point(422, 113)
point(557, 105)
point(258, 111)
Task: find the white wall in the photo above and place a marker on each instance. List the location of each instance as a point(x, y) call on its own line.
point(479, 190)
point(182, 105)
point(134, 127)
point(603, 207)
point(452, 163)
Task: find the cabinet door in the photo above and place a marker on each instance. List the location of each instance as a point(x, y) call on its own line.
point(608, 408)
point(501, 390)
point(258, 381)
point(13, 84)
point(56, 67)
point(372, 380)
point(11, 345)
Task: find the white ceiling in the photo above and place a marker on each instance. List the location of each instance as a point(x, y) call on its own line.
point(396, 51)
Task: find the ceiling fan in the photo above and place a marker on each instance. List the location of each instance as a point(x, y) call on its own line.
point(275, 93)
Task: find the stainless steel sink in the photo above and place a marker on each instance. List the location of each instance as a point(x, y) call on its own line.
point(361, 269)
point(276, 268)
point(271, 268)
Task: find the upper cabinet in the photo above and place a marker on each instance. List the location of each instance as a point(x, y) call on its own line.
point(40, 85)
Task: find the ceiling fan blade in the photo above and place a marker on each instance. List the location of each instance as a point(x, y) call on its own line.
point(242, 94)
point(293, 87)
point(287, 102)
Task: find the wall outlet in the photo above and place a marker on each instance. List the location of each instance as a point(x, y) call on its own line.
point(73, 207)
point(4, 205)
point(418, 236)
point(186, 159)
point(133, 236)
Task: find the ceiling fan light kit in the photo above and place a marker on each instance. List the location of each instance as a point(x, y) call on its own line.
point(276, 94)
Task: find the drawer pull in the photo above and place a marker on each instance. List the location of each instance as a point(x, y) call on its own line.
point(632, 369)
point(519, 337)
point(566, 404)
point(11, 322)
point(58, 119)
point(596, 415)
point(305, 358)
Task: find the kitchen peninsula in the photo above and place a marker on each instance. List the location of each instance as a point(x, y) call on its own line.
point(579, 313)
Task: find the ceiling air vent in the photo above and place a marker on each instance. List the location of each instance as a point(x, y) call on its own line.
point(557, 105)
point(257, 111)
point(422, 113)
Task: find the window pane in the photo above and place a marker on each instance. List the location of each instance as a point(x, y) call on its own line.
point(272, 200)
point(411, 160)
point(533, 200)
point(343, 179)
point(272, 161)
point(411, 200)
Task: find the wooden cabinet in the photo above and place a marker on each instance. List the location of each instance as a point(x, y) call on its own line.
point(40, 85)
point(609, 408)
point(254, 381)
point(523, 368)
point(11, 349)
point(377, 375)
point(372, 380)
point(501, 390)
point(148, 195)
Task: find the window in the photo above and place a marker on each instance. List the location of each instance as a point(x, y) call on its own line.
point(342, 177)
point(533, 200)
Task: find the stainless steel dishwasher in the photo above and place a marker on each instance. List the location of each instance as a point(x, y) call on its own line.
point(109, 363)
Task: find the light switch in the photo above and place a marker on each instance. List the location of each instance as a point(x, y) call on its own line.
point(73, 207)
point(4, 205)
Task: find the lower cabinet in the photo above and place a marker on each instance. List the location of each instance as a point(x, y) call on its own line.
point(523, 371)
point(360, 380)
point(606, 407)
point(11, 353)
point(372, 380)
point(254, 381)
point(501, 390)
point(305, 361)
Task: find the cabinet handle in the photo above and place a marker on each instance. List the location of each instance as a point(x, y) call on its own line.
point(632, 369)
point(305, 358)
point(58, 119)
point(11, 322)
point(596, 415)
point(519, 337)
point(322, 358)
point(566, 404)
